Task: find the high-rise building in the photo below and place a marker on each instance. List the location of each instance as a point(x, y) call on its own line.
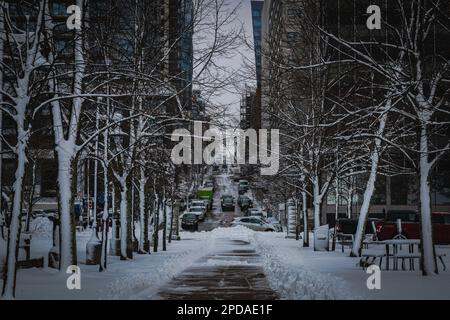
point(180, 32)
point(168, 45)
point(257, 8)
point(248, 114)
point(289, 40)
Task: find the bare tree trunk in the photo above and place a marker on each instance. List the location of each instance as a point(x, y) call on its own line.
point(156, 224)
point(370, 187)
point(143, 234)
point(123, 219)
point(429, 265)
point(9, 283)
point(305, 221)
point(31, 196)
point(164, 223)
point(317, 201)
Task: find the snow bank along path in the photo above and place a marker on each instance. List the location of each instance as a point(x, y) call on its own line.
point(290, 281)
point(293, 281)
point(144, 283)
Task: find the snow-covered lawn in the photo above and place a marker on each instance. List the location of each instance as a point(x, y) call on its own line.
point(301, 273)
point(122, 279)
point(292, 271)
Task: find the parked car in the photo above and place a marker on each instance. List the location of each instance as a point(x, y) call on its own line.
point(199, 211)
point(410, 224)
point(199, 203)
point(243, 186)
point(275, 223)
point(183, 205)
point(245, 203)
point(227, 204)
point(227, 196)
point(349, 226)
point(207, 203)
point(254, 223)
point(196, 202)
point(189, 220)
point(236, 171)
point(240, 198)
point(255, 212)
point(209, 184)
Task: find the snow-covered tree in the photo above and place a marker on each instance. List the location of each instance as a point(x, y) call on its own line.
point(421, 76)
point(22, 60)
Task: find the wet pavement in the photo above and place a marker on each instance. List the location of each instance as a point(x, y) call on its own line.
point(231, 271)
point(232, 274)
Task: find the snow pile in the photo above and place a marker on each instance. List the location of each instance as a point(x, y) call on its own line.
point(296, 282)
point(291, 280)
point(160, 269)
point(235, 233)
point(42, 227)
point(221, 262)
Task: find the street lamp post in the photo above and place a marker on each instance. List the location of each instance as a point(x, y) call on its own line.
point(94, 245)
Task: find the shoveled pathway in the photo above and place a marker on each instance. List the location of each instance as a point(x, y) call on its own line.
point(232, 271)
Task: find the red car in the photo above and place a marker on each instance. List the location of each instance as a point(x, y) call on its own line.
point(411, 226)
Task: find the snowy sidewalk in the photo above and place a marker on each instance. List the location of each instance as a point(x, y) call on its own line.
point(232, 272)
point(228, 263)
point(122, 279)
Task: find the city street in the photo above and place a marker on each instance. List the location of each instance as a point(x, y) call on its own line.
point(224, 150)
point(216, 217)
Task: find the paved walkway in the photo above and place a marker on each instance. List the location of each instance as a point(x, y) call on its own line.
point(233, 271)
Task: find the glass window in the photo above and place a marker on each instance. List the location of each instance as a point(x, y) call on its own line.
point(59, 9)
point(48, 178)
point(255, 13)
point(291, 36)
point(440, 194)
point(64, 47)
point(399, 190)
point(447, 219)
point(379, 195)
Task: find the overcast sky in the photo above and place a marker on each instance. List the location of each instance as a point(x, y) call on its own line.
point(234, 63)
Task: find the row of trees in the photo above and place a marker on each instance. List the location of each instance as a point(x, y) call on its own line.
point(103, 86)
point(354, 103)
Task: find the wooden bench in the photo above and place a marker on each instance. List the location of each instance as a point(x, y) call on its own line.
point(30, 263)
point(413, 256)
point(410, 256)
point(343, 236)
